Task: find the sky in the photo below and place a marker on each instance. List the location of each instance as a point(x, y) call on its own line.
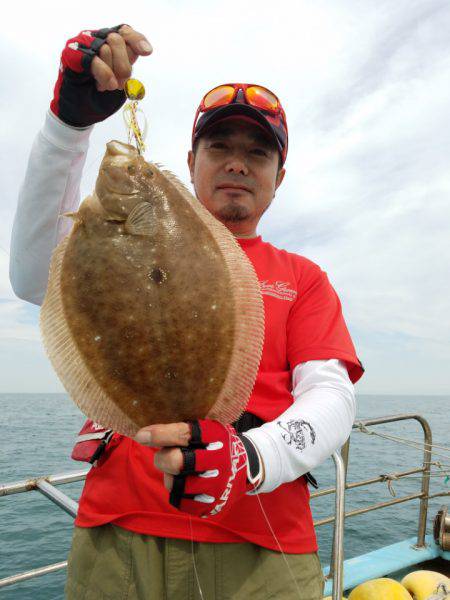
point(366, 89)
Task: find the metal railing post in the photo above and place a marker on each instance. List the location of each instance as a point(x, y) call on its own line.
point(345, 455)
point(423, 509)
point(337, 563)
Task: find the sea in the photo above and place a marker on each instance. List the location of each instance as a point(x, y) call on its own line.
point(37, 433)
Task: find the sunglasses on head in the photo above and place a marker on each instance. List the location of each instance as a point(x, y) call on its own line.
point(255, 95)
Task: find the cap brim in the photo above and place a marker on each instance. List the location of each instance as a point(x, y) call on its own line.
point(211, 117)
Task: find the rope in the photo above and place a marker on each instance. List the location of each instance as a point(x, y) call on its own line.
point(407, 442)
point(389, 478)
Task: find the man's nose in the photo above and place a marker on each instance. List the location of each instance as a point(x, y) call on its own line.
point(236, 164)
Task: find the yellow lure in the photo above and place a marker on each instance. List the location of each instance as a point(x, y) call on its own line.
point(134, 91)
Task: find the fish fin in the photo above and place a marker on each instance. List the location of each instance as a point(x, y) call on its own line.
point(72, 215)
point(141, 220)
point(66, 358)
point(176, 182)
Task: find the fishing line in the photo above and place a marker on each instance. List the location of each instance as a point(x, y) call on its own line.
point(269, 525)
point(279, 545)
point(193, 559)
point(274, 536)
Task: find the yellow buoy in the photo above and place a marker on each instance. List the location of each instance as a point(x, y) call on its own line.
point(423, 584)
point(377, 589)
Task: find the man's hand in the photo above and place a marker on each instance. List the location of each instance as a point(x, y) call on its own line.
point(207, 466)
point(112, 66)
point(94, 67)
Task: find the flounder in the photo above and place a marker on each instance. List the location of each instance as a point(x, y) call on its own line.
point(153, 313)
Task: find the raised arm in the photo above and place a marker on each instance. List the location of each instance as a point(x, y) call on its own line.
point(94, 67)
point(51, 187)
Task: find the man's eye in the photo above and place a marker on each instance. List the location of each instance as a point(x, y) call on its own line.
point(218, 145)
point(259, 151)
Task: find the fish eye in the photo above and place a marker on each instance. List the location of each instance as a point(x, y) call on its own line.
point(131, 169)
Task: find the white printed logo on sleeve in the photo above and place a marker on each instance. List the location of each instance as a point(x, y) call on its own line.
point(297, 433)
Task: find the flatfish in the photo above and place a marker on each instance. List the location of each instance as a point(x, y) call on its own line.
point(153, 313)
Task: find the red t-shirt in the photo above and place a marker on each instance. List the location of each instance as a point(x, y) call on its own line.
point(303, 321)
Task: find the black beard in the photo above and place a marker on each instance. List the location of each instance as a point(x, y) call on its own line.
point(233, 213)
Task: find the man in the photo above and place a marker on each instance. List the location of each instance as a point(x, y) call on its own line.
point(200, 510)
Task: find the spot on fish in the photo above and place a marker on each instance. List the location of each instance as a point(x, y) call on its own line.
point(158, 275)
point(97, 338)
point(213, 306)
point(135, 402)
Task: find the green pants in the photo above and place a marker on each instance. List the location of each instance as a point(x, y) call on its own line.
point(111, 563)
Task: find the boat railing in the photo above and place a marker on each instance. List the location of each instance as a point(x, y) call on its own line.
point(47, 487)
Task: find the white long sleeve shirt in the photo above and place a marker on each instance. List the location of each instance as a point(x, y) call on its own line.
point(321, 417)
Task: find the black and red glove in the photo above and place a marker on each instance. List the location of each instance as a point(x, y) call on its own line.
point(76, 100)
point(219, 466)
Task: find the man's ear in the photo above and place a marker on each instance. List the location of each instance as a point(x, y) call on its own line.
point(191, 164)
point(280, 176)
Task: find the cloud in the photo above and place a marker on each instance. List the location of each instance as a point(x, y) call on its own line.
point(366, 89)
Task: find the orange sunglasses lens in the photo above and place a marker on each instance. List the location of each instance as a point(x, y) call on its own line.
point(219, 96)
point(262, 98)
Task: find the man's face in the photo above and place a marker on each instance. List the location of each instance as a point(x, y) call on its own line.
point(235, 173)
